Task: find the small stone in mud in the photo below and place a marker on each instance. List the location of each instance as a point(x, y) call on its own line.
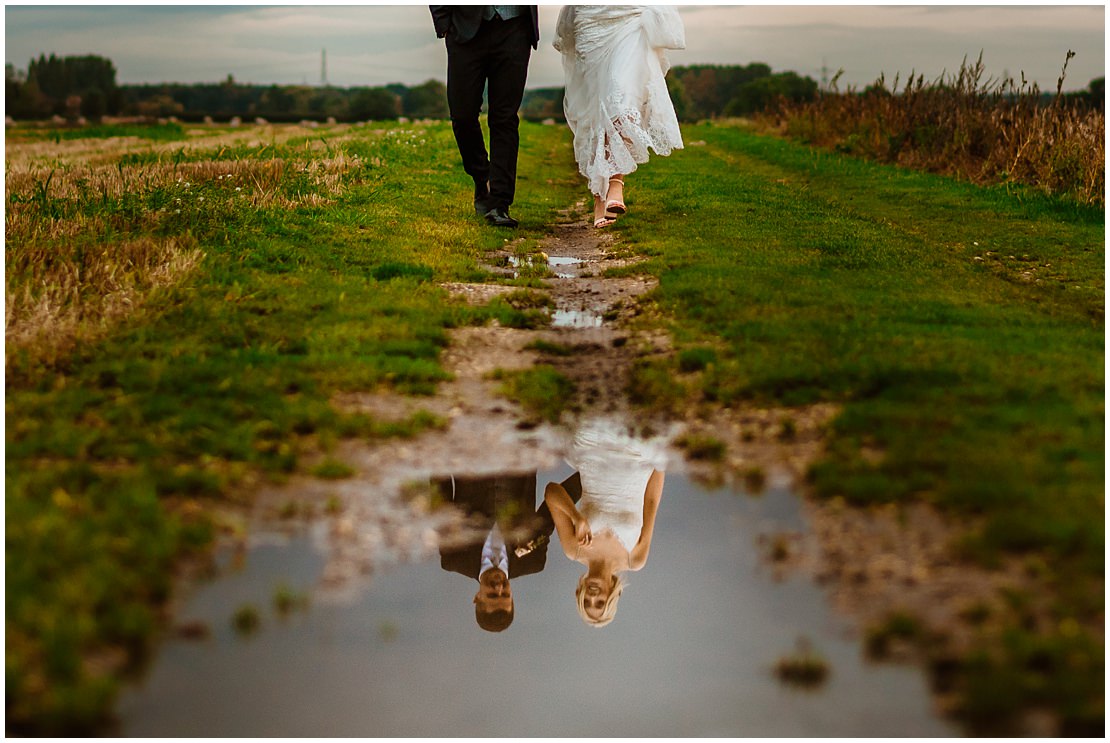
point(196, 629)
point(780, 548)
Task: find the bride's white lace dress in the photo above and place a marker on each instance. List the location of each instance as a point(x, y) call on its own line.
point(616, 101)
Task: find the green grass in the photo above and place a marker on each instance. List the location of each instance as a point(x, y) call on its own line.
point(310, 286)
point(788, 277)
point(701, 447)
point(543, 392)
point(815, 277)
point(168, 132)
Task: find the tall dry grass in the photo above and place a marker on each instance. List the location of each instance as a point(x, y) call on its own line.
point(85, 246)
point(985, 130)
point(56, 300)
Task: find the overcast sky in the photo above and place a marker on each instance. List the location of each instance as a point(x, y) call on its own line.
point(374, 45)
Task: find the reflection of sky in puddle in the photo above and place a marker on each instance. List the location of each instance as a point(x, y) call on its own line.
point(554, 262)
point(689, 653)
point(575, 319)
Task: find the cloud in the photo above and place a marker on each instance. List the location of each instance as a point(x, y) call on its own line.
point(374, 45)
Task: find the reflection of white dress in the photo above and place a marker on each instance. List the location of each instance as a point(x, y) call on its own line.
point(615, 469)
point(616, 99)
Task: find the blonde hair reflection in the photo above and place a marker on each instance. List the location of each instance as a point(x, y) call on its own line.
point(609, 611)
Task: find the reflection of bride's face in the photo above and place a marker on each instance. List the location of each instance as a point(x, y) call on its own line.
point(596, 594)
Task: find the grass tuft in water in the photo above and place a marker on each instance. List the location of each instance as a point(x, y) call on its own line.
point(286, 600)
point(246, 620)
point(802, 669)
point(701, 447)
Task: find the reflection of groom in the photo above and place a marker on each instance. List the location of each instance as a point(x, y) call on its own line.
point(513, 539)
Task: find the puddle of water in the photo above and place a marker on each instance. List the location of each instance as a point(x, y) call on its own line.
point(554, 262)
point(689, 653)
point(575, 319)
point(558, 260)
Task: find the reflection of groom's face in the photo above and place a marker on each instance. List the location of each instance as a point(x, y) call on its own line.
point(493, 604)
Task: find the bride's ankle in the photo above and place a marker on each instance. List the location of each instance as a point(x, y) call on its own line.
point(616, 188)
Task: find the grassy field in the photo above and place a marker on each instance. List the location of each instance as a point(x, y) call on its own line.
point(182, 305)
point(962, 330)
point(179, 314)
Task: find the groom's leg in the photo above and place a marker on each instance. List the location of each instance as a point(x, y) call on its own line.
point(507, 74)
point(465, 80)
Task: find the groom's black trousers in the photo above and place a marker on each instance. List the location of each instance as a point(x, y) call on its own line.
point(499, 54)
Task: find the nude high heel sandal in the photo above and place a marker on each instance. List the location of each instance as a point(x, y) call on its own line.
point(615, 207)
point(605, 220)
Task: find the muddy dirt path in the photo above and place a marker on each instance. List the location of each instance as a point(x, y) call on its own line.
point(873, 562)
point(384, 513)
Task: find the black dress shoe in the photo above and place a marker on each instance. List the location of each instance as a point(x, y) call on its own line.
point(499, 217)
point(481, 205)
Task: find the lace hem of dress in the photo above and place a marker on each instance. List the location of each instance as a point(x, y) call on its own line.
point(624, 144)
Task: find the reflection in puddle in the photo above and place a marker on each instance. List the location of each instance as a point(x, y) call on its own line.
point(609, 528)
point(575, 319)
point(511, 540)
point(553, 262)
point(426, 649)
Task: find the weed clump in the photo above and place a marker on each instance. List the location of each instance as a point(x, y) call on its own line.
point(551, 349)
point(988, 131)
point(804, 668)
point(897, 626)
point(542, 391)
point(755, 480)
point(702, 447)
point(696, 359)
point(398, 270)
point(286, 600)
point(246, 620)
point(331, 469)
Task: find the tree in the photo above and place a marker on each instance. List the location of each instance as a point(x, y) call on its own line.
point(426, 101)
point(542, 103)
point(22, 98)
point(708, 88)
point(758, 94)
point(90, 77)
point(375, 104)
point(679, 99)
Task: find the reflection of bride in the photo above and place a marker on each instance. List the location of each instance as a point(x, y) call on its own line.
point(611, 527)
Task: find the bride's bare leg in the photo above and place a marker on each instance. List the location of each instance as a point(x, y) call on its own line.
point(601, 219)
point(614, 199)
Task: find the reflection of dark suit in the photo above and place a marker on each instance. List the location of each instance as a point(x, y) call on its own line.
point(510, 500)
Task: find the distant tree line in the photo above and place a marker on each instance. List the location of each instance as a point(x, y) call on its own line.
point(86, 86)
point(224, 100)
point(710, 91)
point(64, 86)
